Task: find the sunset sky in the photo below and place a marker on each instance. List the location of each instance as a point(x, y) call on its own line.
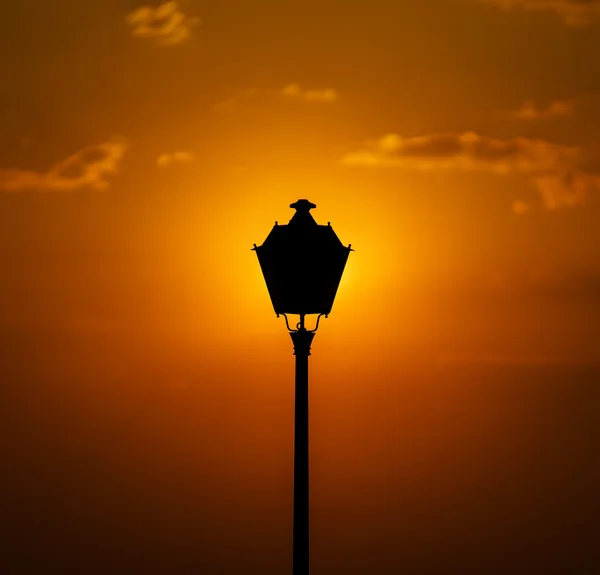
point(146, 393)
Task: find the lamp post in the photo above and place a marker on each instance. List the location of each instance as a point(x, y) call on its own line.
point(302, 263)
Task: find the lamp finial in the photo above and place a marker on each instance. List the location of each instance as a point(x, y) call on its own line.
point(303, 206)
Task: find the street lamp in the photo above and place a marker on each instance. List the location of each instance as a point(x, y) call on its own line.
point(302, 263)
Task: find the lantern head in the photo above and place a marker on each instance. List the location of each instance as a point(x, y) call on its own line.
point(302, 263)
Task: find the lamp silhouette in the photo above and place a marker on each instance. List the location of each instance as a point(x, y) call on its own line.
point(302, 263)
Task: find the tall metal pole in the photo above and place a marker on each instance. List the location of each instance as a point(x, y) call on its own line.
point(302, 340)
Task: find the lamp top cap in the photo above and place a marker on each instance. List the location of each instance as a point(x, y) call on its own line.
point(303, 206)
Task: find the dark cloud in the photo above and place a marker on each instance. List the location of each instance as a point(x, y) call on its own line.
point(554, 169)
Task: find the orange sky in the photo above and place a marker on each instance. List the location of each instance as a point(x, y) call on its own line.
point(144, 148)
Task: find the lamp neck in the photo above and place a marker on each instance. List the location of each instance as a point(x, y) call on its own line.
point(302, 340)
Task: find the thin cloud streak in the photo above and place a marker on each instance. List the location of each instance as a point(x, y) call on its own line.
point(87, 168)
point(288, 92)
point(464, 359)
point(554, 169)
point(573, 12)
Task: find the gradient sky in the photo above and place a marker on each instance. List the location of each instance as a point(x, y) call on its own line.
point(146, 391)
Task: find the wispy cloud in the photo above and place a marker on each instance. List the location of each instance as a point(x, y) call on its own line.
point(169, 159)
point(290, 92)
point(554, 169)
point(530, 111)
point(87, 168)
point(166, 24)
point(323, 95)
point(573, 12)
point(236, 99)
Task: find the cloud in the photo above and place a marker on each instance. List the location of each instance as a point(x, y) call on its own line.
point(467, 151)
point(311, 95)
point(168, 159)
point(529, 110)
point(554, 169)
point(87, 168)
point(520, 207)
point(573, 12)
point(166, 23)
point(566, 188)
